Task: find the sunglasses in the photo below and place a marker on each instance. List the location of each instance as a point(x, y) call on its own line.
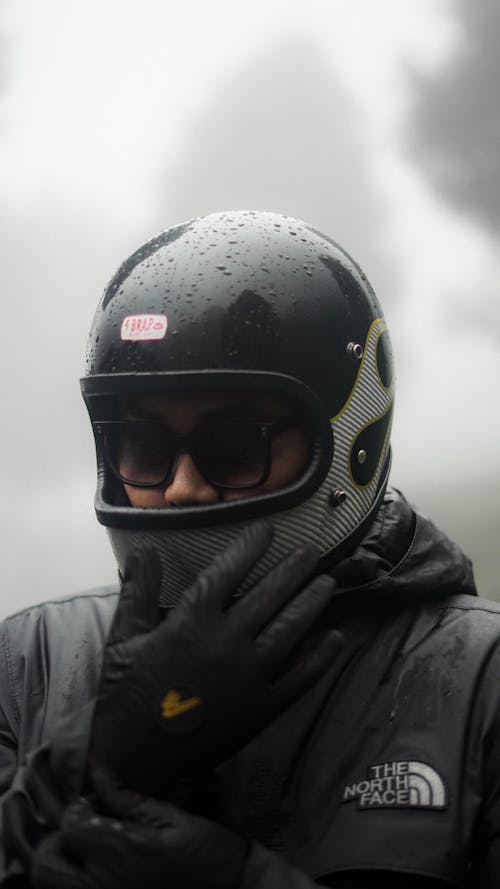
point(230, 456)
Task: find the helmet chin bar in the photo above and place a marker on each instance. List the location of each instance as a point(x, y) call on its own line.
point(186, 552)
point(346, 546)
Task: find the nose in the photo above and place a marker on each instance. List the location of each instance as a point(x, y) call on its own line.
point(187, 486)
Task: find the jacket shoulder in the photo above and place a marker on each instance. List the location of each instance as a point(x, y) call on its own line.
point(474, 604)
point(482, 616)
point(53, 647)
point(97, 596)
point(92, 608)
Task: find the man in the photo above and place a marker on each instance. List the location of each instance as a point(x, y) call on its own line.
point(296, 686)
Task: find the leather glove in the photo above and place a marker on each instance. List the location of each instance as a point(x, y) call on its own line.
point(179, 697)
point(154, 846)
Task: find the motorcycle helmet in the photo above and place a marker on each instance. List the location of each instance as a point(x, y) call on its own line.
point(248, 301)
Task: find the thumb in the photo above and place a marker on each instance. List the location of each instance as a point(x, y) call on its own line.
point(120, 802)
point(52, 869)
point(137, 611)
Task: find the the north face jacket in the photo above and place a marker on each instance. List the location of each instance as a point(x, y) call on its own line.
point(389, 765)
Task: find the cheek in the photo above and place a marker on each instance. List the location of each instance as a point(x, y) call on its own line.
point(290, 456)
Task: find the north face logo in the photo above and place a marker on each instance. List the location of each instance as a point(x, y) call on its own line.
point(397, 785)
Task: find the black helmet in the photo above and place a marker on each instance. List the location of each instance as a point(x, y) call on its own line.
point(250, 300)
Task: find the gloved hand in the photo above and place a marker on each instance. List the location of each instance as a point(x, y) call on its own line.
point(179, 697)
point(153, 846)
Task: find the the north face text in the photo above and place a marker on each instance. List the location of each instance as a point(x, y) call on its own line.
point(402, 784)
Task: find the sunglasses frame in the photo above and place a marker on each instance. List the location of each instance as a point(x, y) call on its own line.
point(182, 442)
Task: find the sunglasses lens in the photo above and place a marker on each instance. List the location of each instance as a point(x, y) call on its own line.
point(233, 455)
point(140, 454)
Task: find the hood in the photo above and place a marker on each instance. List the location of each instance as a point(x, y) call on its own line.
point(404, 555)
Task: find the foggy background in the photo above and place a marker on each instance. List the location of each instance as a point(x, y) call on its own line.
point(376, 122)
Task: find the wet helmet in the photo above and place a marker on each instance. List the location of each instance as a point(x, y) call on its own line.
point(249, 301)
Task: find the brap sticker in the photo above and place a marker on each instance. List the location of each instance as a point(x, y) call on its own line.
point(144, 327)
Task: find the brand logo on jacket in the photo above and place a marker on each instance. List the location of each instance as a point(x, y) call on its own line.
point(402, 784)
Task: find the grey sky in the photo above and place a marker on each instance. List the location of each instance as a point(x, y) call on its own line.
point(456, 128)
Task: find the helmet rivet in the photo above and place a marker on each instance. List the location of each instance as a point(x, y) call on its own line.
point(355, 351)
point(361, 456)
point(337, 497)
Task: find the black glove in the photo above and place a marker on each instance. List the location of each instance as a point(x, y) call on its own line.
point(154, 846)
point(177, 698)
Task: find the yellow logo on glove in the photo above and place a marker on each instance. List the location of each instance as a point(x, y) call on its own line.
point(173, 705)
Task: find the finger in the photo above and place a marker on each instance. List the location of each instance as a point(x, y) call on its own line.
point(294, 621)
point(111, 795)
point(80, 810)
point(123, 803)
point(255, 610)
point(137, 611)
point(51, 868)
point(218, 582)
point(85, 835)
point(307, 669)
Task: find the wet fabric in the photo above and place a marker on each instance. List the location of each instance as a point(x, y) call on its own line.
point(390, 763)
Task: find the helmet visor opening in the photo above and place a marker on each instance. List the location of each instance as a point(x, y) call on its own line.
point(250, 443)
point(229, 455)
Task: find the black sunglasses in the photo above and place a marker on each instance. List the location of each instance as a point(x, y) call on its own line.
point(230, 456)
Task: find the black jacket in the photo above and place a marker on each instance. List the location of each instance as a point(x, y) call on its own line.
point(391, 763)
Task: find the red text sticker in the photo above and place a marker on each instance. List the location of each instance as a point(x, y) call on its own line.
point(144, 327)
